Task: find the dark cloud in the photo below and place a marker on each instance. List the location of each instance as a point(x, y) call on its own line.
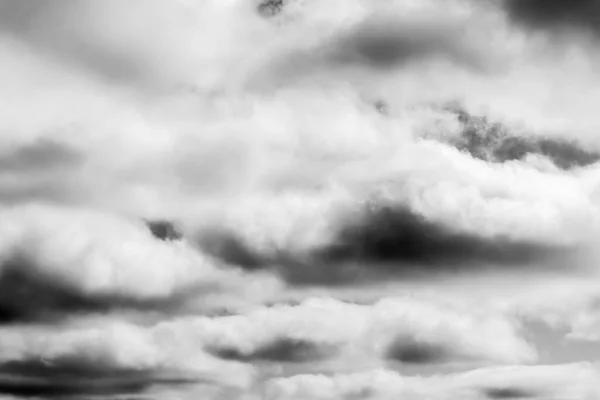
point(77, 377)
point(412, 351)
point(493, 142)
point(280, 350)
point(398, 235)
point(269, 8)
point(392, 241)
point(229, 248)
point(28, 295)
point(43, 155)
point(583, 15)
point(164, 230)
point(503, 393)
point(384, 43)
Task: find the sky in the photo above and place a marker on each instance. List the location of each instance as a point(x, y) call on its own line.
point(299, 199)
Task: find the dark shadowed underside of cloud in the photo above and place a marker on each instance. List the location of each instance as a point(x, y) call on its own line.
point(78, 378)
point(286, 350)
point(581, 15)
point(228, 247)
point(493, 142)
point(43, 154)
point(28, 295)
point(384, 43)
point(411, 351)
point(269, 8)
point(399, 235)
point(387, 242)
point(508, 393)
point(164, 230)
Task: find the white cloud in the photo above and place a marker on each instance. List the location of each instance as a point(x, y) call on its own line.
point(94, 257)
point(576, 381)
point(206, 113)
point(392, 330)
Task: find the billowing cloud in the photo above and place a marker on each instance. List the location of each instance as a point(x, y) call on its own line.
point(55, 259)
point(169, 168)
point(104, 358)
point(399, 330)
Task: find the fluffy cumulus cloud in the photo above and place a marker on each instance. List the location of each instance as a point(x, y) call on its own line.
point(299, 198)
point(57, 260)
point(225, 350)
point(401, 330)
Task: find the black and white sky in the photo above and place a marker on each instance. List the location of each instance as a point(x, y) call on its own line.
point(300, 199)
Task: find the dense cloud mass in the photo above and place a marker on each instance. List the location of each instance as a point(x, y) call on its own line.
point(574, 14)
point(299, 199)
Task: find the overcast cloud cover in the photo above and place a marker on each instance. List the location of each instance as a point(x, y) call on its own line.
point(299, 199)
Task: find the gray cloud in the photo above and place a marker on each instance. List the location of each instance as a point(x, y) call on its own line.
point(503, 393)
point(269, 8)
point(517, 382)
point(58, 29)
point(582, 15)
point(164, 230)
point(79, 377)
point(413, 351)
point(233, 250)
point(42, 155)
point(286, 350)
point(398, 234)
point(385, 43)
point(28, 294)
point(390, 241)
point(494, 142)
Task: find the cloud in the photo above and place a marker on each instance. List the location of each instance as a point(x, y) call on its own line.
point(509, 393)
point(84, 260)
point(42, 154)
point(537, 382)
point(494, 142)
point(269, 8)
point(361, 38)
point(261, 140)
point(318, 331)
point(164, 230)
point(391, 241)
point(106, 356)
point(115, 45)
point(27, 296)
point(386, 42)
point(282, 350)
point(399, 235)
point(582, 15)
point(414, 352)
point(35, 378)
